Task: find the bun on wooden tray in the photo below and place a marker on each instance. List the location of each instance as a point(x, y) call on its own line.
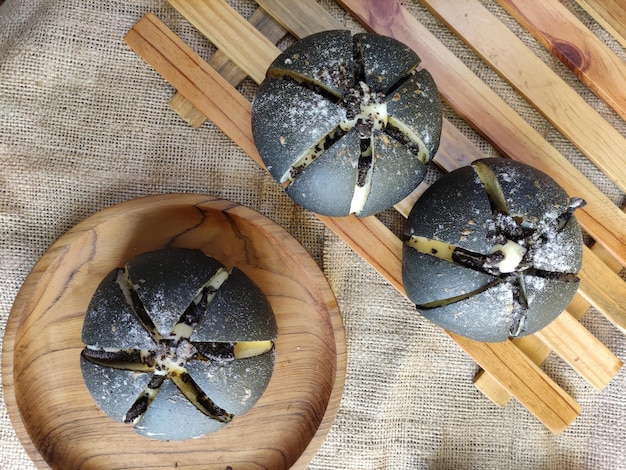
point(492, 250)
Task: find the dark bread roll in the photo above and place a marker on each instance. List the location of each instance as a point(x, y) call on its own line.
point(492, 250)
point(176, 344)
point(346, 123)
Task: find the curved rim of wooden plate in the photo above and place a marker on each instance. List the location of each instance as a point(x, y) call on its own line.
point(288, 409)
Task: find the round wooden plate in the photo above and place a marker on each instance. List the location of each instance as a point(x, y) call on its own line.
point(51, 409)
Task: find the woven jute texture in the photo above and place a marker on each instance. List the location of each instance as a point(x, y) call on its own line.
point(84, 124)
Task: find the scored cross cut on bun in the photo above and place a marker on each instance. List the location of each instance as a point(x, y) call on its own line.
point(347, 124)
point(176, 345)
point(492, 250)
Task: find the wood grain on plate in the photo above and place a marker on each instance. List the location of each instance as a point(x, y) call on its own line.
point(52, 411)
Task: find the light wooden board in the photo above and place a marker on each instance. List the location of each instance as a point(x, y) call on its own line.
point(606, 291)
point(200, 84)
point(611, 14)
point(563, 34)
point(302, 18)
point(566, 110)
point(556, 414)
point(580, 353)
point(261, 50)
point(226, 68)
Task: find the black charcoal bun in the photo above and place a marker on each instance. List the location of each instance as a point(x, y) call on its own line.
point(492, 250)
point(346, 122)
point(183, 302)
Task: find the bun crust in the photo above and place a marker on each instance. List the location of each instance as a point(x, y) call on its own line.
point(164, 336)
point(492, 250)
point(346, 123)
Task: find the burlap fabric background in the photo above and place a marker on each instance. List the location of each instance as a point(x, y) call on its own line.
point(84, 124)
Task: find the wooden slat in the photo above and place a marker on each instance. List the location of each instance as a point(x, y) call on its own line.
point(566, 110)
point(490, 115)
point(606, 257)
point(302, 18)
point(603, 289)
point(196, 80)
point(374, 242)
point(557, 412)
point(170, 57)
point(611, 14)
point(267, 26)
point(582, 351)
point(605, 292)
point(187, 111)
point(261, 51)
point(563, 34)
point(579, 352)
point(227, 69)
point(532, 347)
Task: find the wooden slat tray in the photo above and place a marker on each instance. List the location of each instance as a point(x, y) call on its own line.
point(509, 369)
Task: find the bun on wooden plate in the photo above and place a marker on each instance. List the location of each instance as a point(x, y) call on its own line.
point(176, 344)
